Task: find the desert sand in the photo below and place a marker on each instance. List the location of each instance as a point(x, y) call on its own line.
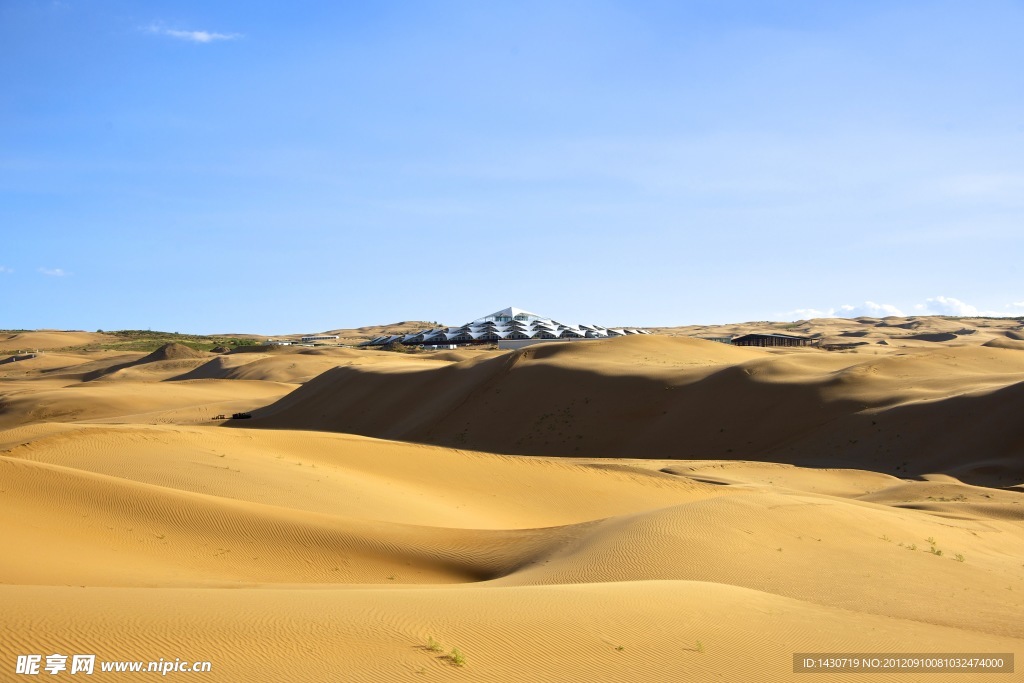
point(658, 508)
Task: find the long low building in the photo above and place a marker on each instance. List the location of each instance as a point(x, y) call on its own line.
point(506, 324)
point(771, 340)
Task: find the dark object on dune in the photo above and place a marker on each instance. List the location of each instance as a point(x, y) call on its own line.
point(240, 416)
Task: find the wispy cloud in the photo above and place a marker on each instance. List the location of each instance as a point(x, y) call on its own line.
point(935, 305)
point(947, 305)
point(191, 36)
point(54, 272)
point(5, 269)
point(1014, 308)
point(868, 308)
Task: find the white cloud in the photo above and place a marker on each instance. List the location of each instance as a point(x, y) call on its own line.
point(5, 269)
point(54, 272)
point(191, 36)
point(868, 308)
point(936, 305)
point(947, 305)
point(1014, 309)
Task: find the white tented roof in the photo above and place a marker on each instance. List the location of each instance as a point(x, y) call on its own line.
point(510, 313)
point(511, 322)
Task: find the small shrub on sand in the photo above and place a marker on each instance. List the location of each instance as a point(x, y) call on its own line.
point(456, 657)
point(433, 645)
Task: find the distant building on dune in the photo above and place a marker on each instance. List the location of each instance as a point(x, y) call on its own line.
point(319, 338)
point(509, 328)
point(771, 340)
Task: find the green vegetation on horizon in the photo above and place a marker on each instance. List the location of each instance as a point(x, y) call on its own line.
point(151, 340)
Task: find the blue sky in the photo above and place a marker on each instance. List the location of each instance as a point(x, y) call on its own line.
point(289, 167)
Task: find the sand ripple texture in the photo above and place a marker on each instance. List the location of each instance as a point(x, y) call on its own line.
point(136, 528)
point(310, 556)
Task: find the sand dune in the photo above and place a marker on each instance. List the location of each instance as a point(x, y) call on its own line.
point(634, 397)
point(129, 401)
point(295, 366)
point(57, 365)
point(174, 351)
point(542, 633)
point(574, 559)
point(641, 509)
point(272, 369)
point(1005, 343)
point(167, 359)
point(350, 475)
point(908, 332)
point(174, 383)
point(48, 339)
point(83, 366)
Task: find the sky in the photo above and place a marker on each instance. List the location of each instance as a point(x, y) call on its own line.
point(297, 167)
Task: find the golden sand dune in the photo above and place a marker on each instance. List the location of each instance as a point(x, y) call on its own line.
point(48, 339)
point(162, 362)
point(868, 333)
point(637, 396)
point(297, 366)
point(174, 351)
point(51, 362)
point(87, 366)
point(59, 387)
point(631, 631)
point(269, 368)
point(1005, 343)
point(82, 366)
point(646, 517)
point(459, 355)
point(351, 475)
point(339, 547)
point(129, 401)
point(843, 483)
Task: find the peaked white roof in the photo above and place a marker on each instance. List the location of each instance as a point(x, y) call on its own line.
point(508, 323)
point(510, 312)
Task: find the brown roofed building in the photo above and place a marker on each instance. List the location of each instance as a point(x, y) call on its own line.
point(771, 340)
